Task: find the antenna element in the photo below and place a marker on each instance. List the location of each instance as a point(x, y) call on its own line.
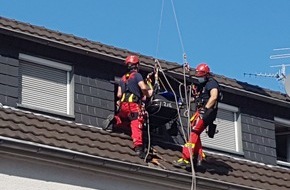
point(287, 85)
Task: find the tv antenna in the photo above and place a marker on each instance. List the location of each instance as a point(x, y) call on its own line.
point(280, 56)
point(287, 85)
point(281, 74)
point(285, 79)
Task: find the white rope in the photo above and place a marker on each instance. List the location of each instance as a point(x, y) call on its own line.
point(187, 100)
point(159, 29)
point(175, 97)
point(178, 30)
point(179, 89)
point(163, 85)
point(193, 182)
point(188, 113)
point(149, 137)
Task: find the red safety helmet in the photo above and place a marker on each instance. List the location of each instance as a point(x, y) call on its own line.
point(202, 70)
point(132, 60)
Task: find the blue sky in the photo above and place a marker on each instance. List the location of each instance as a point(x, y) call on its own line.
point(233, 36)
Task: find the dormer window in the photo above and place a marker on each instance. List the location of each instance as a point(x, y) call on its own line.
point(46, 85)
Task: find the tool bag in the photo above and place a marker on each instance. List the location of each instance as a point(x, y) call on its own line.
point(162, 109)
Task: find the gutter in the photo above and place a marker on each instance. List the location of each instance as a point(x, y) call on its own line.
point(105, 56)
point(105, 165)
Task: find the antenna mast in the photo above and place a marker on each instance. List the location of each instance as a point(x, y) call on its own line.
point(282, 71)
point(281, 74)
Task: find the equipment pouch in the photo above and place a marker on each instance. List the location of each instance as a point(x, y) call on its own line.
point(133, 116)
point(206, 115)
point(211, 130)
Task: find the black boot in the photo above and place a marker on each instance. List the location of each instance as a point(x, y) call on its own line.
point(181, 163)
point(199, 161)
point(140, 152)
point(108, 123)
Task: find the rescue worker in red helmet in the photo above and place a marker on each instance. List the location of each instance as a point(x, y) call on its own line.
point(131, 90)
point(207, 96)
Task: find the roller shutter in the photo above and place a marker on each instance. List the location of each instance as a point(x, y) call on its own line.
point(44, 87)
point(225, 139)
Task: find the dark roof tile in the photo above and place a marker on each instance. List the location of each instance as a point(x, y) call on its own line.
point(84, 139)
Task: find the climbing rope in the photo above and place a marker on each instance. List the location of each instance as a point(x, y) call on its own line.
point(159, 28)
point(172, 90)
point(149, 137)
point(177, 26)
point(193, 183)
point(155, 89)
point(187, 95)
point(163, 85)
point(187, 101)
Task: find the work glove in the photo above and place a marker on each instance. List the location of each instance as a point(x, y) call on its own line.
point(149, 81)
point(202, 112)
point(118, 104)
point(149, 77)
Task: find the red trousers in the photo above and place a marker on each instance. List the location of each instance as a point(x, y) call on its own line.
point(194, 142)
point(130, 114)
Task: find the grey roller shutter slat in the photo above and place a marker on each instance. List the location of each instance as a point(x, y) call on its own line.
point(32, 83)
point(44, 87)
point(226, 138)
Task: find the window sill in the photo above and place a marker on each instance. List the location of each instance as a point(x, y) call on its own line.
point(283, 163)
point(223, 150)
point(45, 111)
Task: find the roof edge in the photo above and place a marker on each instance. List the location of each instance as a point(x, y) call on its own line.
point(70, 158)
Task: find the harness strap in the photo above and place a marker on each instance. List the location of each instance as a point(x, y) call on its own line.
point(194, 117)
point(128, 96)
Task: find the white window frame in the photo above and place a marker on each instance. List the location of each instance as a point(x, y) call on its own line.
point(238, 130)
point(286, 123)
point(70, 82)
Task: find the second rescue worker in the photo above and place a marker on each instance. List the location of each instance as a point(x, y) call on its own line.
point(208, 95)
point(131, 90)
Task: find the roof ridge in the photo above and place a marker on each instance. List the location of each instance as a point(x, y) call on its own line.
point(109, 50)
point(60, 33)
